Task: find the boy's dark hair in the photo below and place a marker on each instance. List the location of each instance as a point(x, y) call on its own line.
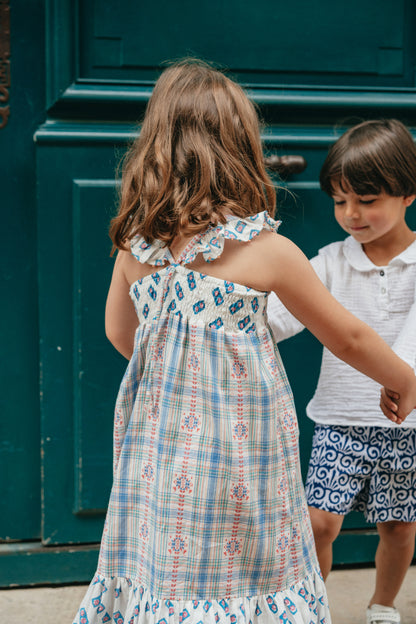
point(372, 157)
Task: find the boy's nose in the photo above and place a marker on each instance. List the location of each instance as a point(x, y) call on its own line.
point(351, 210)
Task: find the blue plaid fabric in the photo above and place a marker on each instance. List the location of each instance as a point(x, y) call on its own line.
point(207, 518)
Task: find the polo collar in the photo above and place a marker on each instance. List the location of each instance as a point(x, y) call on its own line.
point(358, 259)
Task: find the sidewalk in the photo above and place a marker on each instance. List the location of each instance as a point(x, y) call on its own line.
point(348, 592)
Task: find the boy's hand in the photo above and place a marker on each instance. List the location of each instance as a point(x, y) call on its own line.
point(389, 403)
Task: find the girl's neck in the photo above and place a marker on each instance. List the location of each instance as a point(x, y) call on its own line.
point(384, 249)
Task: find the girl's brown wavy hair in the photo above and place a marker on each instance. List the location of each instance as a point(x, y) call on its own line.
point(197, 159)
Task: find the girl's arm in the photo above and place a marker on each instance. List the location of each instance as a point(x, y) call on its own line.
point(282, 323)
point(351, 340)
point(120, 316)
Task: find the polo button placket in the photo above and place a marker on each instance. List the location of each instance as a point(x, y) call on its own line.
point(384, 298)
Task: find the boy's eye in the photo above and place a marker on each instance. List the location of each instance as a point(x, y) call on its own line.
point(339, 202)
point(367, 202)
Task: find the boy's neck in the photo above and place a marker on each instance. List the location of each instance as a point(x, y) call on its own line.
point(382, 251)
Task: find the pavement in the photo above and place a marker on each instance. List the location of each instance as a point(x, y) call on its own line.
point(348, 591)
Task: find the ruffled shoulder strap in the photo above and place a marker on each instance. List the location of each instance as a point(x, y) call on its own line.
point(209, 243)
point(155, 253)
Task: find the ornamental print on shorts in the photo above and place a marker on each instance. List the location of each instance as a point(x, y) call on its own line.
point(367, 469)
point(207, 519)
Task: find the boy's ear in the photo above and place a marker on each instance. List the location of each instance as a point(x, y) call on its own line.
point(409, 200)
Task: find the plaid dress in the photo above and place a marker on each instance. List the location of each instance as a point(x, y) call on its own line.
point(207, 519)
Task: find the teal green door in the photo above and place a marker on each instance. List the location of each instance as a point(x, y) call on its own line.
point(22, 109)
point(312, 68)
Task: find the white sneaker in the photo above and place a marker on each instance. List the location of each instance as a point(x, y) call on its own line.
point(377, 614)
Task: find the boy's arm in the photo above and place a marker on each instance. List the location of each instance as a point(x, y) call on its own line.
point(405, 347)
point(282, 323)
point(405, 343)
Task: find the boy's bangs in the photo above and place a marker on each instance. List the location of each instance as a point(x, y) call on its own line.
point(362, 184)
point(359, 173)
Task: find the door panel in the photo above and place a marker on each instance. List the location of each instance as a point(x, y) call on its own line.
point(103, 57)
point(263, 41)
point(80, 370)
point(93, 394)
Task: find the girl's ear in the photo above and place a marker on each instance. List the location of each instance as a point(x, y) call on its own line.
point(409, 200)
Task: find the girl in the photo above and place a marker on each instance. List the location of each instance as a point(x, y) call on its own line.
point(207, 520)
point(359, 459)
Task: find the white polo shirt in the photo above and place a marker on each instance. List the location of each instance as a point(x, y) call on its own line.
point(383, 297)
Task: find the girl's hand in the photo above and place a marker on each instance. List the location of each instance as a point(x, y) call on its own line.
point(395, 406)
point(389, 404)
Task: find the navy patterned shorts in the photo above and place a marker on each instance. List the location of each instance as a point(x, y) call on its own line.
point(368, 469)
